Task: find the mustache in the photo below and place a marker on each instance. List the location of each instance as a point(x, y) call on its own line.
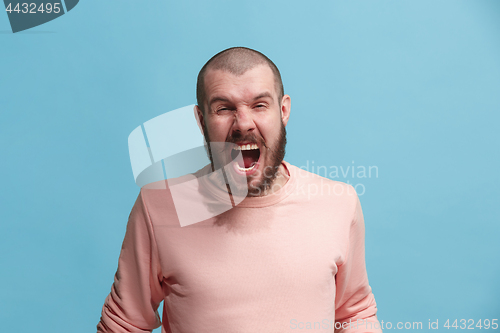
point(249, 138)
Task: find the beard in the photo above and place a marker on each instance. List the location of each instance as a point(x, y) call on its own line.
point(274, 157)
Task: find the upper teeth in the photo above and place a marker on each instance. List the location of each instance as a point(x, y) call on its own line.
point(247, 147)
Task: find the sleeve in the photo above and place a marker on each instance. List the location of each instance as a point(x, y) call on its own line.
point(136, 292)
point(355, 307)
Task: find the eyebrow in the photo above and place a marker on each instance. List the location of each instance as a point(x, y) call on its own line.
point(262, 95)
point(223, 99)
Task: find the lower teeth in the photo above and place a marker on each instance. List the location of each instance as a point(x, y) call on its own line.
point(245, 169)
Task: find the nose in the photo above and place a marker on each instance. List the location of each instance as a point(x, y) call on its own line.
point(243, 122)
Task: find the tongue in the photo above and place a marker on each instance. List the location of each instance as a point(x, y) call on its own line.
point(250, 157)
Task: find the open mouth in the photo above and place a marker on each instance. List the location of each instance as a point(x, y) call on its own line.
point(250, 153)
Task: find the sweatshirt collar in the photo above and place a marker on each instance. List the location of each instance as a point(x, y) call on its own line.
point(252, 202)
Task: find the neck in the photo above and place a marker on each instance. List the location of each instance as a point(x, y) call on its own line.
point(280, 181)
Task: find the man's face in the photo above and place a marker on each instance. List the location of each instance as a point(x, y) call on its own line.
point(245, 110)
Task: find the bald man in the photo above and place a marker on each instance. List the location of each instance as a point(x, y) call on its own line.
point(289, 256)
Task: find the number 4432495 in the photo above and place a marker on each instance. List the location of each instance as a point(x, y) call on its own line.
point(31, 8)
point(470, 324)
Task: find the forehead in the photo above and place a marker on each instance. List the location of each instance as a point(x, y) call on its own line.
point(254, 81)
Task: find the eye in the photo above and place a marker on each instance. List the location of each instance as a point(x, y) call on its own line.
point(223, 110)
point(260, 106)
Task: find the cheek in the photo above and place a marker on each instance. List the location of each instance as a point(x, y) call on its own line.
point(270, 131)
point(218, 129)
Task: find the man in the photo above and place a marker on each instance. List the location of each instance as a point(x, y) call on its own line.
point(290, 256)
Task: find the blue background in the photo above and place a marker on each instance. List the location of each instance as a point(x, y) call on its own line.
point(411, 87)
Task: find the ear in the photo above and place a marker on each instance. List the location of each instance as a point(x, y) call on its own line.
point(199, 118)
point(285, 109)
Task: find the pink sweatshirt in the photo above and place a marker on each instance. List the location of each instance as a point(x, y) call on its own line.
point(291, 261)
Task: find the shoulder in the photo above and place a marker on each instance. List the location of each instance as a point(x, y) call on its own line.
point(335, 196)
point(159, 193)
point(325, 186)
point(158, 202)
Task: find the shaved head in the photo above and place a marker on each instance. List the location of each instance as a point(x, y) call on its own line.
point(235, 60)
